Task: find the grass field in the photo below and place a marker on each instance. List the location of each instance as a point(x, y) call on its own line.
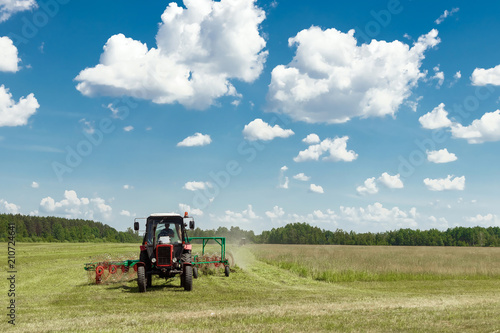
point(273, 288)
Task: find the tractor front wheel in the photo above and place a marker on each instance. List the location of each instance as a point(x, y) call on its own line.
point(141, 278)
point(188, 278)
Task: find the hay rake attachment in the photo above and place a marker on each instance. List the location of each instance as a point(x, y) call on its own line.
point(111, 271)
point(105, 270)
point(204, 260)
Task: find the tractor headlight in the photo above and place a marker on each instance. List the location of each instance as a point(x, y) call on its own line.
point(153, 260)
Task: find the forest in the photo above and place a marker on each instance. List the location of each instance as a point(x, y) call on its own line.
point(57, 229)
point(303, 233)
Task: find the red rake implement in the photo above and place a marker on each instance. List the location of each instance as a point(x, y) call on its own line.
point(111, 271)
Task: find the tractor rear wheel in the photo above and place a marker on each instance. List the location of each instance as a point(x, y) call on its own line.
point(141, 278)
point(195, 272)
point(188, 278)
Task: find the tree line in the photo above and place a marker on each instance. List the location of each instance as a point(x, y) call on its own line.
point(232, 235)
point(57, 229)
point(303, 233)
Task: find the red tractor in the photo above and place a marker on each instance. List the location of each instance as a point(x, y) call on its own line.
point(165, 250)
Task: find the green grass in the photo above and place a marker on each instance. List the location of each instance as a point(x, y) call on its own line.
point(53, 293)
point(383, 263)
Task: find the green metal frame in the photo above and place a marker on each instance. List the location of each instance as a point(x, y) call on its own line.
point(219, 240)
point(126, 263)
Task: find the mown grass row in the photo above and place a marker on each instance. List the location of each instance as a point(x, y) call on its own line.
point(348, 264)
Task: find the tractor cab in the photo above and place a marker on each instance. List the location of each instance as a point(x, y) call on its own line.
point(168, 228)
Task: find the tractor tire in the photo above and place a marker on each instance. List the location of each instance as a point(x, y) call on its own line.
point(141, 279)
point(186, 257)
point(227, 271)
point(143, 257)
point(195, 272)
point(188, 278)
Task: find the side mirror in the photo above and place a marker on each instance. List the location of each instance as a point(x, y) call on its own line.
point(136, 226)
point(191, 224)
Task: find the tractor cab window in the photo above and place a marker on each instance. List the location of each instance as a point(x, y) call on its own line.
point(167, 233)
point(150, 232)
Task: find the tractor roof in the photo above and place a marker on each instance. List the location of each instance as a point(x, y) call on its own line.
point(165, 215)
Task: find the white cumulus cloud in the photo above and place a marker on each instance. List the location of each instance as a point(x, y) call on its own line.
point(14, 113)
point(331, 79)
point(284, 184)
point(277, 212)
point(486, 220)
point(370, 184)
point(74, 207)
point(487, 128)
point(197, 139)
point(336, 149)
point(244, 216)
point(482, 77)
point(10, 7)
point(35, 185)
point(439, 76)
point(448, 183)
point(437, 118)
point(191, 211)
point(8, 55)
point(311, 139)
point(195, 186)
point(199, 49)
point(379, 217)
point(260, 130)
point(391, 181)
point(301, 176)
point(369, 187)
point(441, 156)
point(372, 217)
point(125, 213)
point(316, 189)
point(9, 208)
point(283, 180)
point(128, 128)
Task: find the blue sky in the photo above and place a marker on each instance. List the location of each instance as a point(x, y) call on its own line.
point(365, 116)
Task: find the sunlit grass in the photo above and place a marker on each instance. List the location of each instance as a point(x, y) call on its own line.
point(383, 263)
